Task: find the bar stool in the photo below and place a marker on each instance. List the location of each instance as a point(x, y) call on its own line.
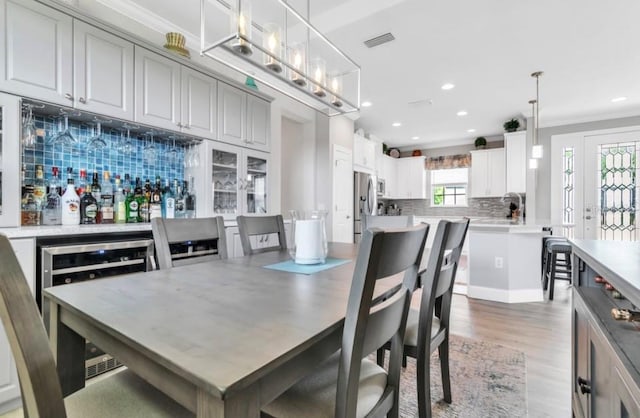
point(558, 264)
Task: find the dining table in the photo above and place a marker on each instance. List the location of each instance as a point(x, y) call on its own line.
point(222, 338)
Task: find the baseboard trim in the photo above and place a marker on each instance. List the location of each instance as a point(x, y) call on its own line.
point(504, 295)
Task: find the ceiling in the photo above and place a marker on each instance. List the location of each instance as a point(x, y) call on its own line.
point(588, 50)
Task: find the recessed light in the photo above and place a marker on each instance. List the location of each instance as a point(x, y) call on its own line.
point(415, 137)
point(471, 130)
point(447, 86)
point(396, 124)
point(366, 104)
point(462, 113)
point(618, 99)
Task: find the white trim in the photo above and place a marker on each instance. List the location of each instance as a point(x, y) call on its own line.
point(505, 295)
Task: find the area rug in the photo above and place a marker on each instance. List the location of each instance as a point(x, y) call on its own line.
point(487, 380)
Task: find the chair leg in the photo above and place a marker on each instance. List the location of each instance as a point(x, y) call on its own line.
point(443, 353)
point(423, 376)
point(404, 361)
point(552, 276)
point(380, 357)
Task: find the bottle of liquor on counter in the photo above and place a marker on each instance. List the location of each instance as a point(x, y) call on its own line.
point(132, 206)
point(106, 214)
point(168, 202)
point(181, 210)
point(155, 205)
point(126, 186)
point(70, 202)
point(190, 199)
point(119, 206)
point(52, 211)
point(82, 183)
point(96, 189)
point(143, 200)
point(88, 208)
point(39, 186)
point(30, 207)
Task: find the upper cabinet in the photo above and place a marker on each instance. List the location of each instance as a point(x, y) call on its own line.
point(364, 154)
point(199, 95)
point(488, 173)
point(411, 178)
point(515, 146)
point(388, 174)
point(243, 119)
point(36, 49)
point(103, 72)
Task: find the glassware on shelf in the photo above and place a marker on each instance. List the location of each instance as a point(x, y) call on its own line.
point(173, 153)
point(29, 131)
point(149, 151)
point(64, 136)
point(228, 183)
point(96, 142)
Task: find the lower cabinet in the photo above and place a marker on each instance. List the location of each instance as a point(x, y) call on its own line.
point(234, 245)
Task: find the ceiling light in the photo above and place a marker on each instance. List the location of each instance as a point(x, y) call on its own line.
point(396, 124)
point(471, 130)
point(462, 113)
point(618, 99)
point(284, 51)
point(415, 138)
point(366, 104)
point(447, 86)
point(536, 149)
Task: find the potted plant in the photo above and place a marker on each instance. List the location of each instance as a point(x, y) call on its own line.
point(480, 142)
point(511, 125)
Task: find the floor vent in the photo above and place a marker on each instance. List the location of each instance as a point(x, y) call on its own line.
point(379, 40)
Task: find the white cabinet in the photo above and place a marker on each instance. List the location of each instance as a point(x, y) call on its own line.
point(243, 119)
point(411, 178)
point(234, 245)
point(388, 172)
point(239, 181)
point(36, 51)
point(488, 173)
point(198, 101)
point(364, 154)
point(515, 147)
point(103, 72)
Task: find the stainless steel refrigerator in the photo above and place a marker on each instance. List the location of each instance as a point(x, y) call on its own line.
point(364, 190)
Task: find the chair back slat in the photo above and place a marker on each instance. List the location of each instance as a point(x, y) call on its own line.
point(392, 254)
point(42, 395)
point(249, 226)
point(167, 232)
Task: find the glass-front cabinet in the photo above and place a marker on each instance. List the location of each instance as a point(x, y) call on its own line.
point(10, 132)
point(239, 181)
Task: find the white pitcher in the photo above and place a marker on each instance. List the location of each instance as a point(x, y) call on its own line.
point(309, 237)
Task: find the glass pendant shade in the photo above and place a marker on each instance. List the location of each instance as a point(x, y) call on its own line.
point(272, 44)
point(318, 73)
point(533, 163)
point(336, 90)
point(298, 63)
point(536, 151)
point(241, 23)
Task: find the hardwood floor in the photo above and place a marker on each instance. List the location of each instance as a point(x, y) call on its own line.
point(542, 330)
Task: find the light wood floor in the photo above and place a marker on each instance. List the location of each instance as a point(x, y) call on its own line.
point(542, 330)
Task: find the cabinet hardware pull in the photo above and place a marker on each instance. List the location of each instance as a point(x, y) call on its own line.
point(584, 385)
point(179, 125)
point(68, 96)
point(82, 100)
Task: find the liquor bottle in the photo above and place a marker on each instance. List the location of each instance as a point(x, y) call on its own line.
point(39, 186)
point(88, 208)
point(30, 214)
point(132, 207)
point(52, 211)
point(106, 214)
point(96, 189)
point(155, 204)
point(180, 203)
point(119, 206)
point(127, 185)
point(82, 183)
point(168, 202)
point(143, 200)
point(190, 199)
point(70, 202)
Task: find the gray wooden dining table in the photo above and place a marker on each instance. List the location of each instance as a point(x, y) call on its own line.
point(222, 338)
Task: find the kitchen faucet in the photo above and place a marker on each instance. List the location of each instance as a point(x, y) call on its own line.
point(520, 204)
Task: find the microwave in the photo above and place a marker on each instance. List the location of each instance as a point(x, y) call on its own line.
point(380, 187)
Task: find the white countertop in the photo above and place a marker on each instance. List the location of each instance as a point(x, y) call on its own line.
point(504, 225)
point(59, 230)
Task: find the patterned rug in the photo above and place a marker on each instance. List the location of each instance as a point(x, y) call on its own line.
point(487, 380)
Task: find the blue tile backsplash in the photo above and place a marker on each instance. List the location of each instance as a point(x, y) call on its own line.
point(168, 162)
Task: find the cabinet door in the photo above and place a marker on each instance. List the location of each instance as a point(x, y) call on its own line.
point(255, 184)
point(496, 172)
point(626, 403)
point(199, 96)
point(258, 123)
point(9, 160)
point(103, 72)
point(580, 357)
point(157, 90)
point(417, 178)
point(232, 114)
point(402, 187)
point(36, 49)
point(479, 178)
point(600, 377)
point(225, 173)
point(515, 148)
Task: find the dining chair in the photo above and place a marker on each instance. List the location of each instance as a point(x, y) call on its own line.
point(396, 221)
point(180, 242)
point(121, 395)
point(428, 327)
point(348, 384)
point(249, 226)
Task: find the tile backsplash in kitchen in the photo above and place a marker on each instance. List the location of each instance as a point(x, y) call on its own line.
point(480, 207)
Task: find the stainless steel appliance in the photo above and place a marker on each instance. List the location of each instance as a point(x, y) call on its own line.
point(62, 263)
point(380, 187)
point(365, 200)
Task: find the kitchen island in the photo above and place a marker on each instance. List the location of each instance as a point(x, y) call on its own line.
point(504, 261)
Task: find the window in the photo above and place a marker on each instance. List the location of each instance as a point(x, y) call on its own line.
point(449, 187)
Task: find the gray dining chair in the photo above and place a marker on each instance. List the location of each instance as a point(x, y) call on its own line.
point(348, 384)
point(397, 221)
point(122, 395)
point(262, 226)
point(428, 328)
point(180, 242)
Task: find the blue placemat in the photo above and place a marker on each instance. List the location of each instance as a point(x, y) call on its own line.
point(292, 267)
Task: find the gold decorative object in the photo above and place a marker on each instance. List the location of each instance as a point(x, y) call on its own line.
point(176, 42)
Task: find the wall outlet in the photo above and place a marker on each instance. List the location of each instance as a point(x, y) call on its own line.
point(499, 262)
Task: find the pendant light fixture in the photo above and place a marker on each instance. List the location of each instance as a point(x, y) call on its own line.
point(536, 150)
point(533, 161)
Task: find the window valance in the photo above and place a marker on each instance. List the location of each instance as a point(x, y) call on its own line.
point(448, 161)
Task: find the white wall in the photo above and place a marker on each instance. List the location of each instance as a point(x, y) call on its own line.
point(298, 167)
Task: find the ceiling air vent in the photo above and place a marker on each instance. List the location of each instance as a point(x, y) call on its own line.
point(379, 40)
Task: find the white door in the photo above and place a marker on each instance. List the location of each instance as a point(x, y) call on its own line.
point(103, 72)
point(199, 101)
point(342, 222)
point(611, 185)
